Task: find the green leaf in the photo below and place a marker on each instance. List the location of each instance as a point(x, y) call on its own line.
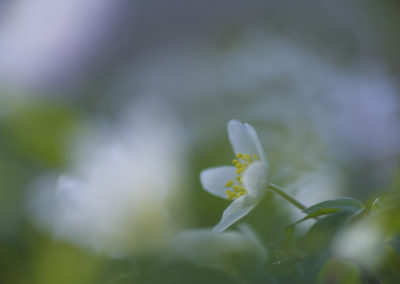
point(323, 230)
point(331, 206)
point(339, 204)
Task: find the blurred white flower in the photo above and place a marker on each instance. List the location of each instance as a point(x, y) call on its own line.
point(332, 113)
point(125, 196)
point(326, 182)
point(363, 242)
point(211, 249)
point(248, 179)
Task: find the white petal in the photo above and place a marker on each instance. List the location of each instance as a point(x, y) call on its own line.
point(70, 191)
point(214, 179)
point(241, 140)
point(256, 178)
point(260, 150)
point(214, 250)
point(67, 184)
point(237, 210)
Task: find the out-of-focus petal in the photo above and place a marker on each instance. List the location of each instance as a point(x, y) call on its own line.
point(67, 183)
point(70, 189)
point(214, 250)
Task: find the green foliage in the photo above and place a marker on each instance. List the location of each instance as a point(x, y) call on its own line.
point(339, 271)
point(40, 132)
point(323, 230)
point(331, 206)
point(36, 135)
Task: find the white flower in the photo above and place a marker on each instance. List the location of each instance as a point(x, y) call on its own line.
point(363, 242)
point(125, 198)
point(245, 183)
point(215, 250)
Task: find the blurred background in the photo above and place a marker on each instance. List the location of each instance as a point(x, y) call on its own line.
point(319, 80)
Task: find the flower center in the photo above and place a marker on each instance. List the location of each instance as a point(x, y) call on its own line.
point(241, 163)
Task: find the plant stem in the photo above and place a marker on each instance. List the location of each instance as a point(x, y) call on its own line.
point(283, 193)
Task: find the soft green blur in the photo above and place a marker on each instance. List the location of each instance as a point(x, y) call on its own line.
point(34, 142)
point(311, 154)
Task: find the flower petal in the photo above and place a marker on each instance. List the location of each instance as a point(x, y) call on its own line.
point(207, 248)
point(260, 150)
point(70, 193)
point(214, 179)
point(237, 210)
point(67, 183)
point(255, 179)
point(241, 140)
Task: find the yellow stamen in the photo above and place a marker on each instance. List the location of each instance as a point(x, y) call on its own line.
point(230, 194)
point(236, 193)
point(239, 171)
point(241, 163)
point(237, 188)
